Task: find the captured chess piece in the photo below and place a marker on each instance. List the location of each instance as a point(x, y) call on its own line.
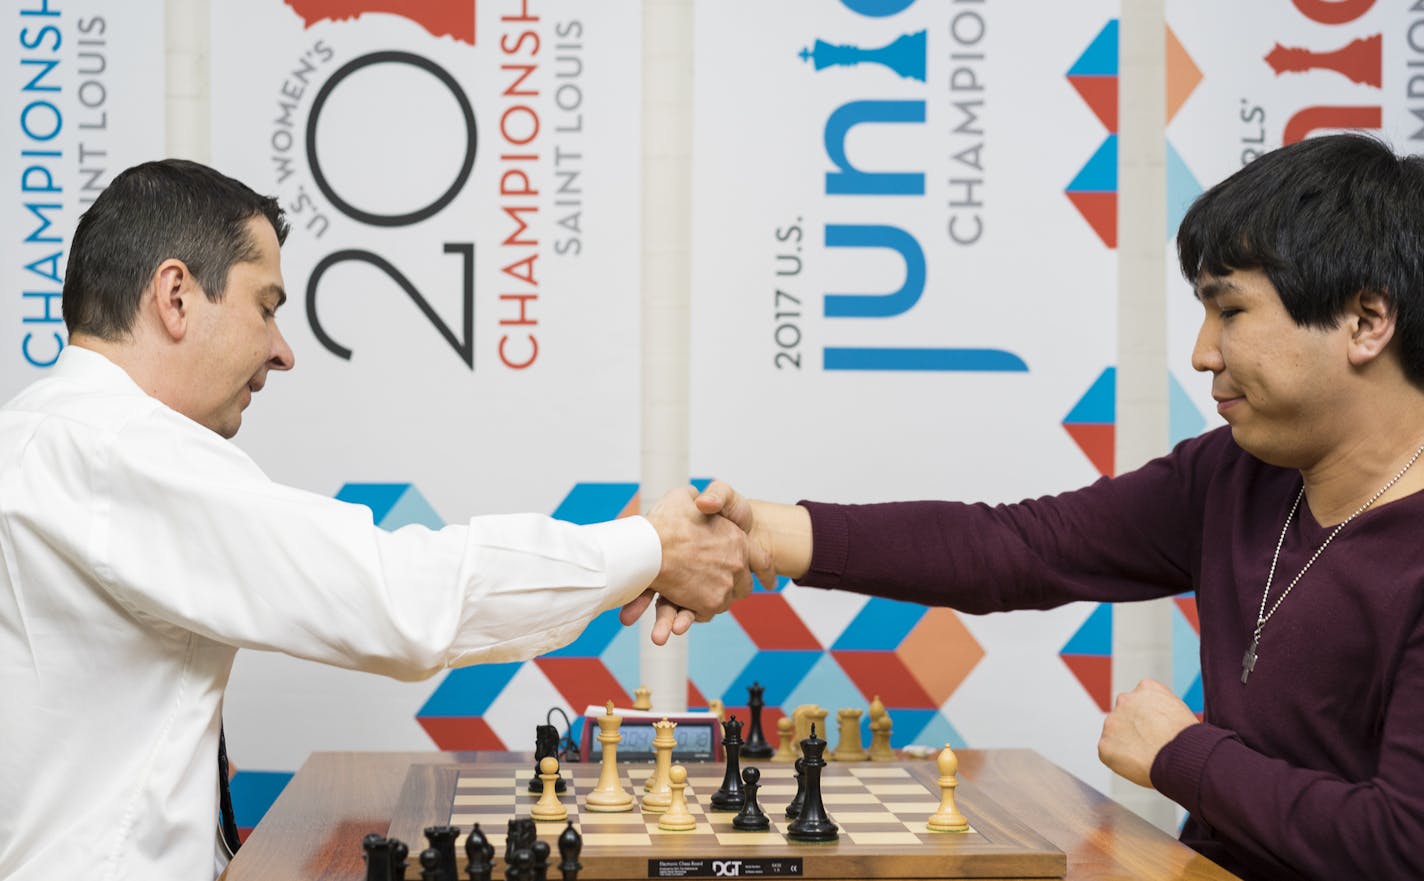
point(432, 866)
point(880, 729)
point(642, 698)
point(548, 808)
point(756, 746)
point(947, 818)
point(751, 818)
point(793, 810)
point(849, 748)
point(729, 797)
point(812, 823)
point(385, 857)
point(806, 716)
point(519, 866)
point(539, 868)
point(570, 844)
point(442, 841)
point(520, 835)
point(479, 855)
point(785, 751)
point(658, 788)
point(546, 743)
point(609, 796)
point(677, 818)
point(717, 708)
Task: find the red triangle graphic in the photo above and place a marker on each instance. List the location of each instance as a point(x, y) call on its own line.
point(461, 732)
point(1100, 93)
point(1100, 210)
point(1096, 441)
point(1188, 605)
point(1095, 673)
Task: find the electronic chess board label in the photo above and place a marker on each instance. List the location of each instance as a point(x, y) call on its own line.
point(881, 809)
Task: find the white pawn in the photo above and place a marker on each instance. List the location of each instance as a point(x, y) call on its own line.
point(548, 809)
point(947, 818)
point(609, 796)
point(677, 818)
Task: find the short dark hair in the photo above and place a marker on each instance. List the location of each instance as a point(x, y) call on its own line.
point(149, 213)
point(1324, 219)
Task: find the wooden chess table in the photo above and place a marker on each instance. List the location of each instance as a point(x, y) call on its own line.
point(1030, 819)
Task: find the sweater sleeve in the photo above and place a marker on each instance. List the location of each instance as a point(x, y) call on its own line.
point(1322, 825)
point(1126, 538)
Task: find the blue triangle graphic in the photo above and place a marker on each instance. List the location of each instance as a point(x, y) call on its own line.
point(379, 497)
point(1098, 406)
point(1095, 636)
point(1099, 175)
point(1100, 58)
point(1184, 420)
point(1182, 190)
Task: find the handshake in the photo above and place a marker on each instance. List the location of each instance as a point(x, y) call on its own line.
point(713, 544)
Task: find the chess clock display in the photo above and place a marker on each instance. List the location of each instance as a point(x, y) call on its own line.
point(699, 736)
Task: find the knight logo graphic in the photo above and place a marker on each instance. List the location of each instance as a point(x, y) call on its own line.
point(438, 17)
point(867, 67)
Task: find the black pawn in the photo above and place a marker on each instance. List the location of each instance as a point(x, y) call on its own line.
point(398, 854)
point(793, 810)
point(729, 797)
point(479, 854)
point(570, 844)
point(520, 866)
point(442, 841)
point(813, 823)
point(432, 866)
point(751, 818)
point(546, 743)
point(756, 746)
point(540, 866)
point(377, 850)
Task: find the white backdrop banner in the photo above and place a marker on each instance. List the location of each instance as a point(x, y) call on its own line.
point(462, 270)
point(84, 101)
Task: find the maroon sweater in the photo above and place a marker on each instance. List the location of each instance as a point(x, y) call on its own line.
point(1315, 768)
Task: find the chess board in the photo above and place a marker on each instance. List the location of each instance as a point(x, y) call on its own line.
point(880, 807)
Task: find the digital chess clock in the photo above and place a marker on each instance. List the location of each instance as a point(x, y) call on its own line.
point(699, 736)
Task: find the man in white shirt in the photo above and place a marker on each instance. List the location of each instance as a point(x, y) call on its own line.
point(139, 549)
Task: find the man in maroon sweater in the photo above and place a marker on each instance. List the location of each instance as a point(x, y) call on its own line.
point(1299, 527)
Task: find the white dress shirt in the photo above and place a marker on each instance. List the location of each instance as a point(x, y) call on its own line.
point(139, 550)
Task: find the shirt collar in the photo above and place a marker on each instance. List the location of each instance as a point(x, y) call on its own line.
point(90, 368)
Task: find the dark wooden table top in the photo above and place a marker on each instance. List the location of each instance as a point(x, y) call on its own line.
point(313, 831)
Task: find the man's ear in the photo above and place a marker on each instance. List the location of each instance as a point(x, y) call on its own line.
point(1370, 317)
point(169, 293)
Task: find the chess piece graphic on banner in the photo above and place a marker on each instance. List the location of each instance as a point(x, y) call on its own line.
point(785, 751)
point(609, 796)
point(548, 808)
point(659, 785)
point(677, 818)
point(1359, 60)
point(642, 698)
point(905, 56)
point(756, 746)
point(947, 818)
point(849, 747)
point(812, 823)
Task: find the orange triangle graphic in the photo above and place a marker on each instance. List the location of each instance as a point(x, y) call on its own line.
point(1096, 440)
point(1100, 210)
point(1100, 93)
point(1183, 75)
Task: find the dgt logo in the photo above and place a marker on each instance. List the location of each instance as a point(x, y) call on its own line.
point(726, 868)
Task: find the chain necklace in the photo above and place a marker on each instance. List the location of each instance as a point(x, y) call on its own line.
point(1248, 661)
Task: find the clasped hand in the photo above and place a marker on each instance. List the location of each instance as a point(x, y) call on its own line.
point(708, 560)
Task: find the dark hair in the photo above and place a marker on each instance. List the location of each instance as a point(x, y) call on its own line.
point(150, 213)
point(1324, 219)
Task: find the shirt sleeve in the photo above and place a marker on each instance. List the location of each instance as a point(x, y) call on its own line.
point(1126, 538)
point(189, 533)
point(1322, 825)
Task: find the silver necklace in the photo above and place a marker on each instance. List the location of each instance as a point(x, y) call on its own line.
point(1248, 661)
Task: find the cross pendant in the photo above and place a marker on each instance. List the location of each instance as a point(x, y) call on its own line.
point(1248, 662)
